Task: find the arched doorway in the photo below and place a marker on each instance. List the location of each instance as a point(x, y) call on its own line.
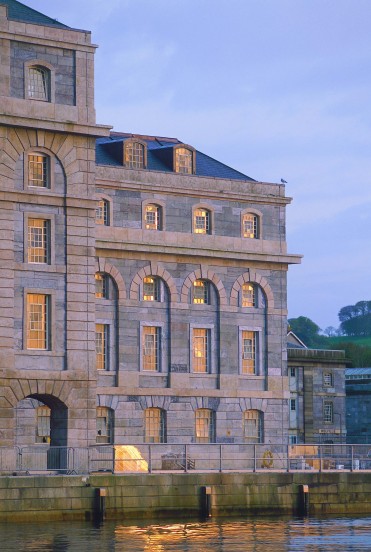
point(43, 420)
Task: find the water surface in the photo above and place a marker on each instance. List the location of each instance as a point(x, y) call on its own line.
point(217, 535)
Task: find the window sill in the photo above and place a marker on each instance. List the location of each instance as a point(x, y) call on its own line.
point(40, 267)
point(251, 376)
point(202, 374)
point(38, 352)
point(150, 373)
point(106, 372)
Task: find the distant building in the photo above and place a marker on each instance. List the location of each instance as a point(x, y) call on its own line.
point(358, 404)
point(317, 394)
point(143, 283)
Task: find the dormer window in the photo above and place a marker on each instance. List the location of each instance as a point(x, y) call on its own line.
point(184, 161)
point(134, 155)
point(38, 83)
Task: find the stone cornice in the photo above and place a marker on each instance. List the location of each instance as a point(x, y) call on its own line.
point(117, 245)
point(19, 121)
point(193, 186)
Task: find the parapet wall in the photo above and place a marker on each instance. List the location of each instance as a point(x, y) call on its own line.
point(32, 498)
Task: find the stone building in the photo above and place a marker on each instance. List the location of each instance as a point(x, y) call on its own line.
point(317, 393)
point(358, 404)
point(143, 283)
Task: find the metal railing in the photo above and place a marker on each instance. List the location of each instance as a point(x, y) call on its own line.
point(149, 458)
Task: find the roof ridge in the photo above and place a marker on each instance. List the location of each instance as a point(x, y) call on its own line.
point(145, 136)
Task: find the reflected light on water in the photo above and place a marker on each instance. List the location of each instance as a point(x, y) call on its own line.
point(216, 535)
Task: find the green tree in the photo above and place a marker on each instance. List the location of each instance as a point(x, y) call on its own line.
point(356, 319)
point(307, 331)
point(359, 355)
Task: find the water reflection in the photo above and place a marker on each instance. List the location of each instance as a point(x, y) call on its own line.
point(217, 535)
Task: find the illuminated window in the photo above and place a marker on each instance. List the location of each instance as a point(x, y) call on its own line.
point(328, 379)
point(328, 412)
point(152, 217)
point(201, 350)
point(38, 318)
point(250, 226)
point(38, 170)
point(248, 352)
point(101, 286)
point(201, 292)
point(201, 221)
point(151, 289)
point(154, 425)
point(249, 295)
point(38, 83)
point(38, 241)
point(205, 425)
point(183, 161)
point(151, 341)
point(104, 425)
point(102, 215)
point(253, 426)
point(134, 155)
point(102, 346)
point(43, 424)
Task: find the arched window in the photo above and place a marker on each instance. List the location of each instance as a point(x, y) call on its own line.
point(184, 161)
point(201, 221)
point(102, 212)
point(154, 425)
point(38, 83)
point(153, 217)
point(205, 425)
point(134, 155)
point(252, 296)
point(105, 425)
point(151, 288)
point(253, 426)
point(250, 225)
point(38, 170)
point(201, 292)
point(248, 295)
point(102, 286)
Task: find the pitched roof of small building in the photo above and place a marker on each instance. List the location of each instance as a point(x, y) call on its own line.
point(20, 12)
point(294, 342)
point(109, 152)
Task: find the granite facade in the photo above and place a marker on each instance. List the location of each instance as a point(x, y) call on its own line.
point(64, 375)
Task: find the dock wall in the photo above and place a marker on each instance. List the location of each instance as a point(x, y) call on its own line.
point(31, 498)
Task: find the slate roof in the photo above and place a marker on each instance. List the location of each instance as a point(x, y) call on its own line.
point(20, 12)
point(159, 151)
point(363, 372)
